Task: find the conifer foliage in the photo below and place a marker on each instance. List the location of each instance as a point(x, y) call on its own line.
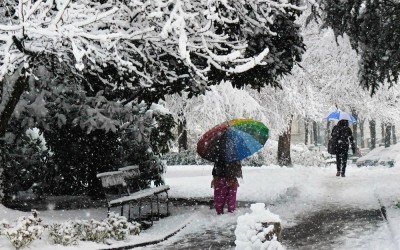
point(372, 26)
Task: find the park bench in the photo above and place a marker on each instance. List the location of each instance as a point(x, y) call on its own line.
point(123, 180)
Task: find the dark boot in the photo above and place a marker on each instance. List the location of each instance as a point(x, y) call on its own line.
point(337, 173)
point(343, 175)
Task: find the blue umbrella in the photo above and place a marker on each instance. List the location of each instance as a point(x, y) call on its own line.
point(341, 115)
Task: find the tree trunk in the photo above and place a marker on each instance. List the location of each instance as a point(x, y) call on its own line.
point(2, 167)
point(372, 130)
point(355, 131)
point(383, 132)
point(182, 134)
point(388, 135)
point(19, 87)
point(306, 132)
point(362, 133)
point(328, 133)
point(315, 133)
point(394, 135)
point(284, 158)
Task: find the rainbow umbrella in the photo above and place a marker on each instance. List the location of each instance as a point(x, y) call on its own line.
point(232, 140)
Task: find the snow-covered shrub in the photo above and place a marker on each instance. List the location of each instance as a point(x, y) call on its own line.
point(251, 232)
point(3, 226)
point(120, 227)
point(65, 234)
point(93, 230)
point(27, 162)
point(187, 157)
point(26, 230)
point(302, 155)
point(266, 156)
point(115, 226)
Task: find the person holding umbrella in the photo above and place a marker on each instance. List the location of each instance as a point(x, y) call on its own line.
point(225, 185)
point(342, 135)
point(226, 145)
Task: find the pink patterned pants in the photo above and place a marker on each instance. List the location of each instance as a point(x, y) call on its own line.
point(223, 193)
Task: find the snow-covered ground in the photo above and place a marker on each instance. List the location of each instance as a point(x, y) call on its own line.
point(292, 193)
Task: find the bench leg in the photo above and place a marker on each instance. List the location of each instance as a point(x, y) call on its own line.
point(108, 211)
point(158, 207)
point(167, 203)
point(129, 212)
point(140, 209)
point(122, 210)
point(151, 210)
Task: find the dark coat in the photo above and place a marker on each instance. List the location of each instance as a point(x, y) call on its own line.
point(343, 137)
point(227, 169)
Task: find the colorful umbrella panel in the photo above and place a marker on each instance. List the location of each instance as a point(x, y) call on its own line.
point(233, 140)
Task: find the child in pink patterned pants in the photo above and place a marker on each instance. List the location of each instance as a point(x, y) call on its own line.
point(225, 185)
point(225, 192)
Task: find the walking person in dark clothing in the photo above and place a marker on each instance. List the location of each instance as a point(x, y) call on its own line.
point(343, 137)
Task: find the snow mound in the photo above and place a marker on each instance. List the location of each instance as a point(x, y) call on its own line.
point(250, 233)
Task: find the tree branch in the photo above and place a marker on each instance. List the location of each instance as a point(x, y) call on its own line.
point(21, 48)
point(19, 88)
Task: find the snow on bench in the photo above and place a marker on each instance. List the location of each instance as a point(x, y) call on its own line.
point(126, 197)
point(139, 195)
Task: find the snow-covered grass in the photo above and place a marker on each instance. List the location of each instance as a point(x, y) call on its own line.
point(287, 192)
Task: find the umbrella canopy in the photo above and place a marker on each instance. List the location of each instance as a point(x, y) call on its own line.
point(233, 140)
point(341, 115)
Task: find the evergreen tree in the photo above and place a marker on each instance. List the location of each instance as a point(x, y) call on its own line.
point(372, 26)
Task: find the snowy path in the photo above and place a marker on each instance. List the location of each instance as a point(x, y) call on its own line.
point(318, 211)
point(345, 213)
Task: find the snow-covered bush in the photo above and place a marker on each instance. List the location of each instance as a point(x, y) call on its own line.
point(120, 227)
point(65, 234)
point(251, 232)
point(3, 226)
point(187, 157)
point(93, 230)
point(115, 227)
point(302, 155)
point(26, 230)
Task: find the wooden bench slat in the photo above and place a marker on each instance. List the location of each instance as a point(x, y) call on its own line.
point(108, 174)
point(127, 168)
point(114, 178)
point(139, 195)
point(160, 189)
